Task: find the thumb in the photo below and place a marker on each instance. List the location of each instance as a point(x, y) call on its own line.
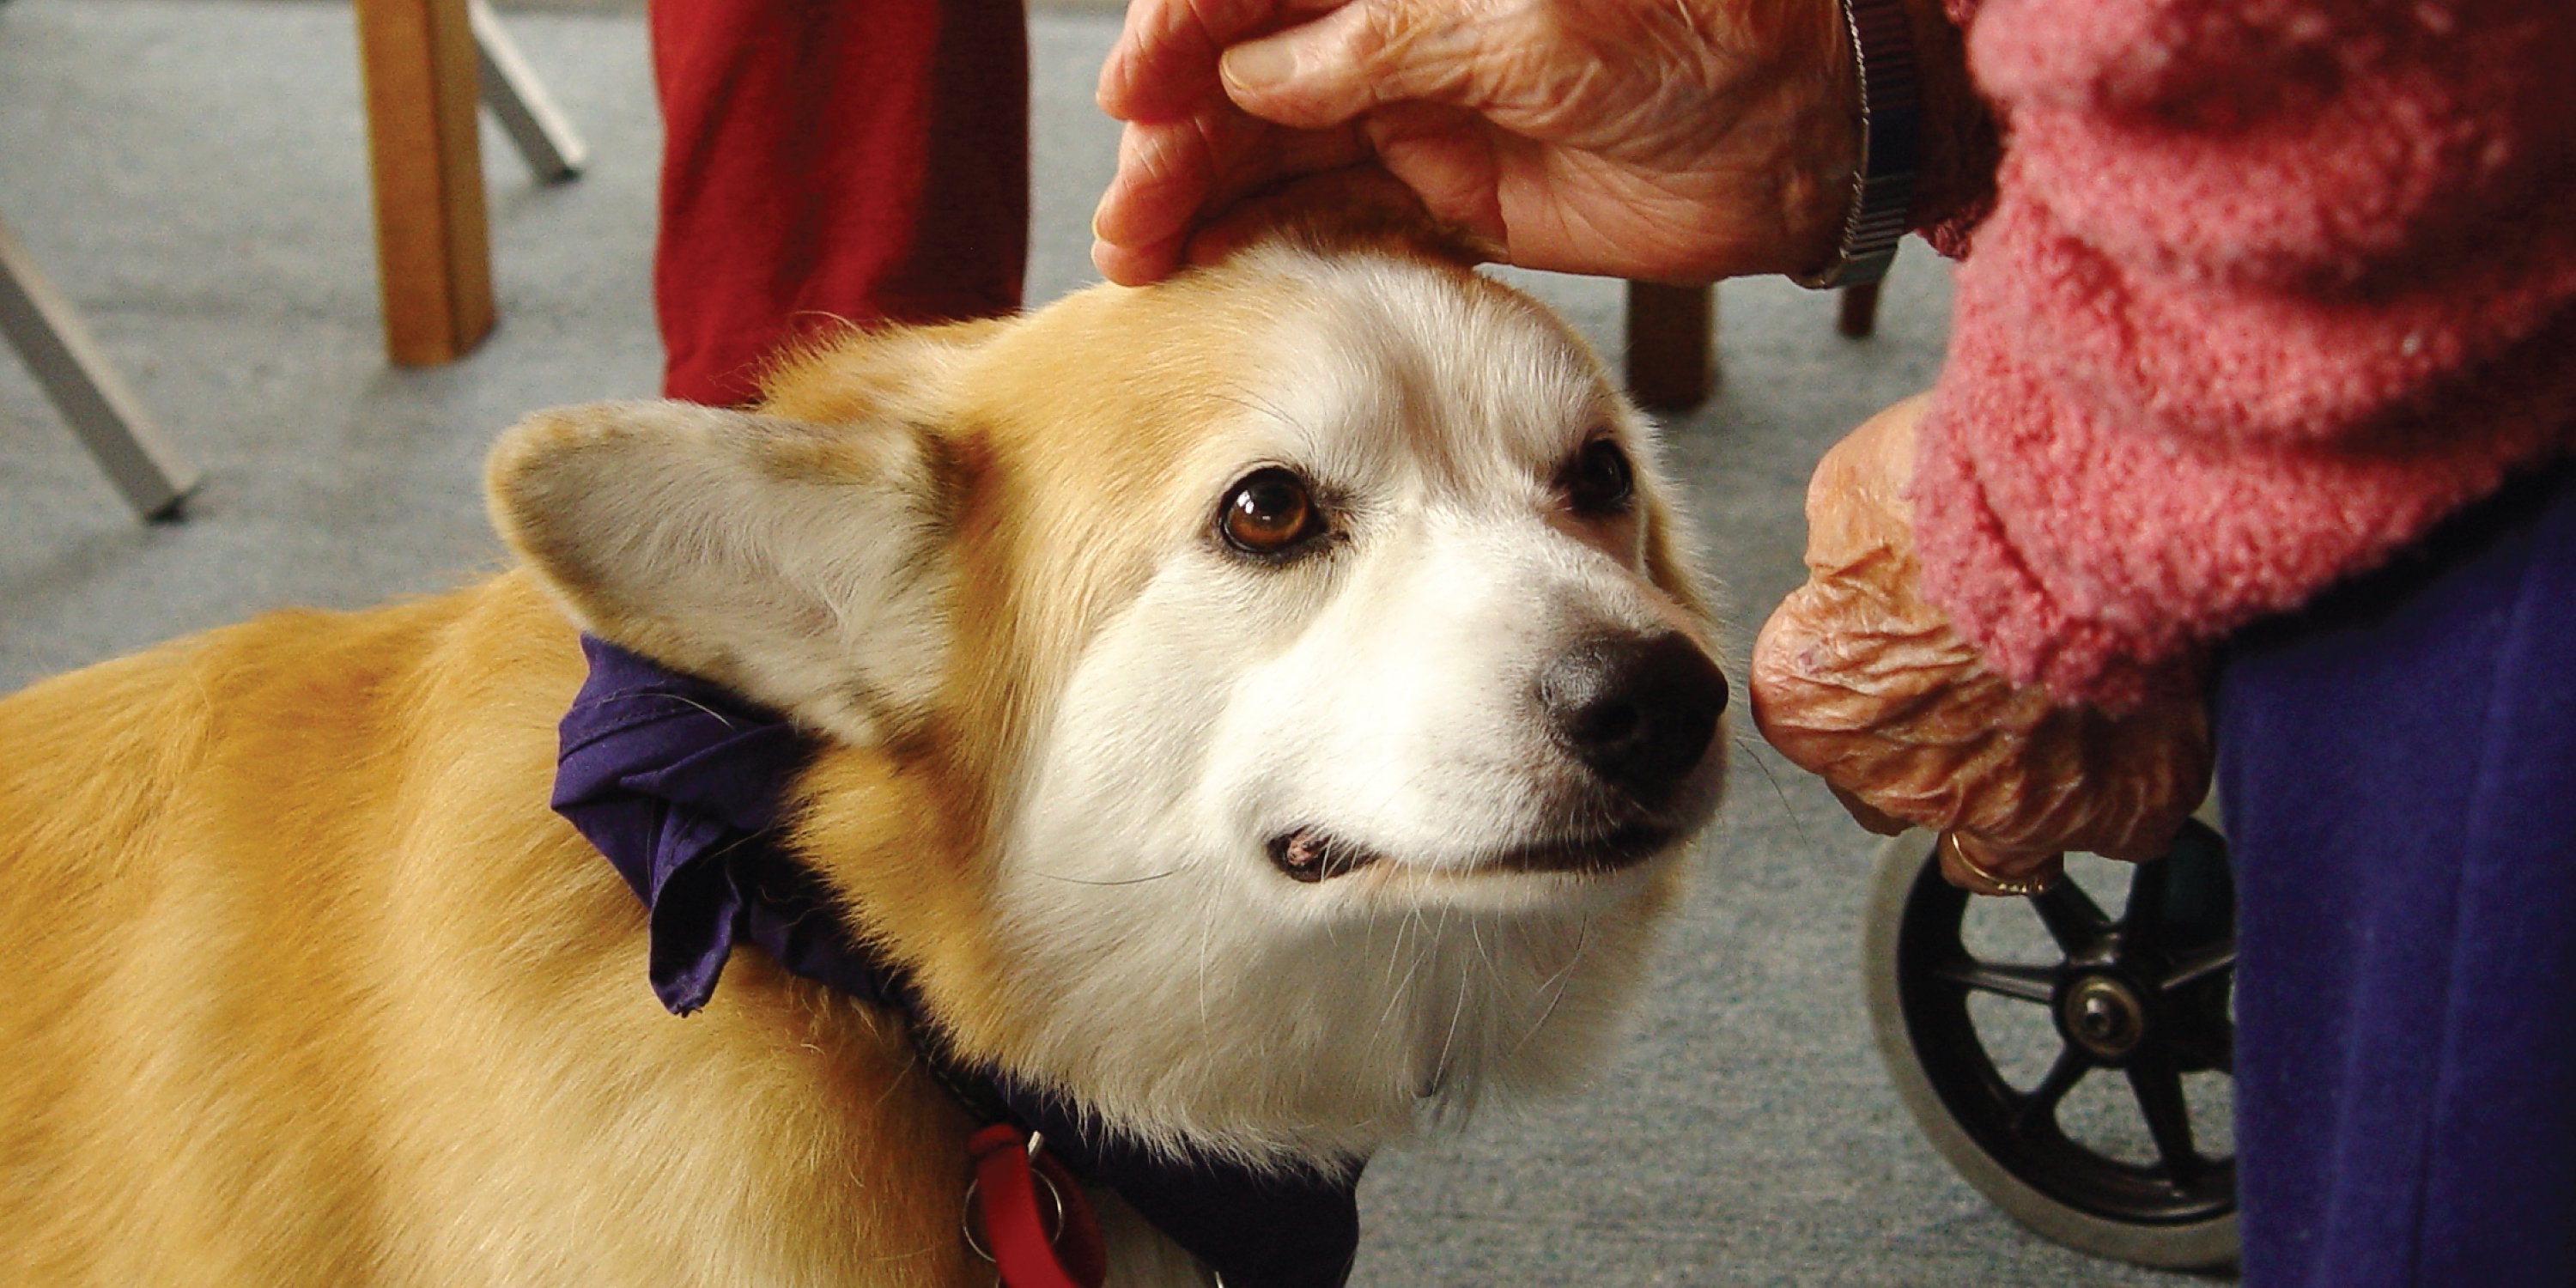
point(1355, 58)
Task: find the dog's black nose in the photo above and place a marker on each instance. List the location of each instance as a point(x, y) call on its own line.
point(1640, 712)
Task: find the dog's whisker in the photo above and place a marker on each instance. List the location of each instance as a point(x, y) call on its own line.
point(1398, 992)
point(687, 701)
point(1753, 753)
point(1558, 982)
point(911, 1065)
point(840, 319)
point(1421, 971)
point(1207, 933)
point(1457, 1012)
point(1254, 402)
point(1119, 881)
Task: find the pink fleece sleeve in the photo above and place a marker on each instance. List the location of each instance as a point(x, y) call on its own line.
point(2268, 288)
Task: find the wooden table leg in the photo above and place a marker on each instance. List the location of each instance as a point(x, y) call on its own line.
point(1672, 345)
point(433, 253)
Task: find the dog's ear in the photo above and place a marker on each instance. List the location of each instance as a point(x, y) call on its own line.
point(802, 565)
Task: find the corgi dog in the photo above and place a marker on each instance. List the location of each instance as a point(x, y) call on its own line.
point(1255, 714)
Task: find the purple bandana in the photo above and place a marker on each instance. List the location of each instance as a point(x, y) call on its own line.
point(680, 784)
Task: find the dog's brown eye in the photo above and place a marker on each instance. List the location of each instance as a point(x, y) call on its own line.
point(1599, 480)
point(1269, 512)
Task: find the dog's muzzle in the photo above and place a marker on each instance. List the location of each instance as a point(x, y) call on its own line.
point(1638, 712)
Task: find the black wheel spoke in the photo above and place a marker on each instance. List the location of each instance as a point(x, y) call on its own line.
point(2198, 964)
point(2144, 914)
point(2072, 918)
point(2159, 1092)
point(2017, 980)
point(2040, 1105)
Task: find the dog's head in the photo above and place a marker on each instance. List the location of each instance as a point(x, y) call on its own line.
point(1262, 699)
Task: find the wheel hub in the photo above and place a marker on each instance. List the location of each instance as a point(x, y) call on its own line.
point(2102, 1014)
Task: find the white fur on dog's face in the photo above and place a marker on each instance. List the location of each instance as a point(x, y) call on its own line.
point(1089, 735)
point(1382, 689)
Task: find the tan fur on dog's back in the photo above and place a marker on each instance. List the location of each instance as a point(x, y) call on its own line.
point(244, 957)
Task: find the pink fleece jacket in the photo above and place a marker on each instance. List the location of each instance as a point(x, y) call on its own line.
point(2267, 288)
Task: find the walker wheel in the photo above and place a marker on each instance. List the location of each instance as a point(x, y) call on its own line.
point(2072, 1067)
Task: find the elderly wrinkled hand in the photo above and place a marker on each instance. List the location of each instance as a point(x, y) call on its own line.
point(1643, 138)
point(1857, 679)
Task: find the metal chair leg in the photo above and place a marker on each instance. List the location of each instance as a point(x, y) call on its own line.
point(514, 94)
point(105, 414)
point(1858, 315)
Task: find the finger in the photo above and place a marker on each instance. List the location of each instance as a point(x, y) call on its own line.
point(2147, 840)
point(1357, 57)
point(1164, 64)
point(1169, 173)
point(1343, 196)
point(1175, 178)
point(1980, 868)
point(1136, 265)
point(1856, 499)
point(1165, 58)
point(1995, 859)
point(1350, 205)
point(1289, 176)
point(1872, 819)
point(1165, 173)
point(1446, 156)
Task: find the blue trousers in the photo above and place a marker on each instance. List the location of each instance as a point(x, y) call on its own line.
point(2398, 774)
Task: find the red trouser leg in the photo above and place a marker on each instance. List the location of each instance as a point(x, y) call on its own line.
point(830, 160)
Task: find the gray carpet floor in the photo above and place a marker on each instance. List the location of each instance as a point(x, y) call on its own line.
point(191, 174)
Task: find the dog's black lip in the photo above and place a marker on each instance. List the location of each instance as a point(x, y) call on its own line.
point(1311, 855)
point(1623, 847)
